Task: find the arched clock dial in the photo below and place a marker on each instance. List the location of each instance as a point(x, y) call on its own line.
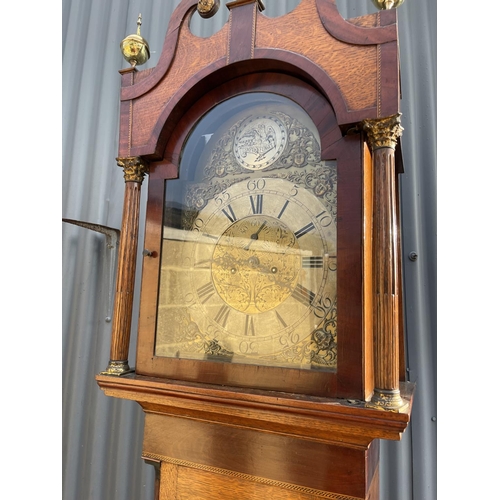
point(249, 273)
point(261, 269)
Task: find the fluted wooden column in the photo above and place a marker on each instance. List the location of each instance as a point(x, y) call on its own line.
point(382, 138)
point(134, 168)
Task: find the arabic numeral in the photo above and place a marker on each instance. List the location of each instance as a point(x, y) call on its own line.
point(254, 184)
point(294, 191)
point(332, 262)
point(324, 219)
point(292, 338)
point(248, 347)
point(224, 197)
point(322, 307)
point(198, 224)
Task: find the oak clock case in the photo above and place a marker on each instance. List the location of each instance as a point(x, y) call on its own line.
point(269, 305)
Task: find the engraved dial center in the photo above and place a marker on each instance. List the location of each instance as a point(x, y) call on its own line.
point(256, 264)
point(254, 261)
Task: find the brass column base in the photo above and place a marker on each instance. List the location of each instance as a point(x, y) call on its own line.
point(388, 400)
point(117, 368)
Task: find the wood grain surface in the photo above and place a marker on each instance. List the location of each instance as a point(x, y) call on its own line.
point(356, 61)
point(125, 277)
point(386, 272)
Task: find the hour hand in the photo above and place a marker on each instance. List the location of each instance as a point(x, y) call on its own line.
point(255, 236)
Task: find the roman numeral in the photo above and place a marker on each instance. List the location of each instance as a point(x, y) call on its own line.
point(304, 230)
point(312, 262)
point(206, 291)
point(203, 264)
point(249, 326)
point(256, 203)
point(211, 236)
point(230, 213)
point(222, 315)
point(283, 209)
point(303, 295)
point(280, 319)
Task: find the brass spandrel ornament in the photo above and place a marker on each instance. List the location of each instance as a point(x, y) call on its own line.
point(248, 273)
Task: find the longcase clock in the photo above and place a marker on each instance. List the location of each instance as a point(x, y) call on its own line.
point(270, 358)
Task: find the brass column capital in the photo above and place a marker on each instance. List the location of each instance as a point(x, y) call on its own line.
point(383, 132)
point(134, 168)
point(388, 400)
point(117, 368)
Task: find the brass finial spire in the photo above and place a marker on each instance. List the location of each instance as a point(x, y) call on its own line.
point(135, 49)
point(387, 4)
point(139, 24)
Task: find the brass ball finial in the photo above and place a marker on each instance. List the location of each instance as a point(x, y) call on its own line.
point(135, 49)
point(207, 8)
point(387, 4)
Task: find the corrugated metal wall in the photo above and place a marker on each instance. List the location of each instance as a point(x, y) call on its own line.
point(102, 436)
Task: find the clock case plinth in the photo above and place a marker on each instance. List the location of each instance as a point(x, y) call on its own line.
point(263, 444)
point(221, 434)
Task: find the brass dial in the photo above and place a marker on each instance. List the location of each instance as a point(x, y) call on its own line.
point(255, 265)
point(249, 274)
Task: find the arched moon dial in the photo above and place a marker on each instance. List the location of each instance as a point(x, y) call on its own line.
point(259, 142)
point(256, 264)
